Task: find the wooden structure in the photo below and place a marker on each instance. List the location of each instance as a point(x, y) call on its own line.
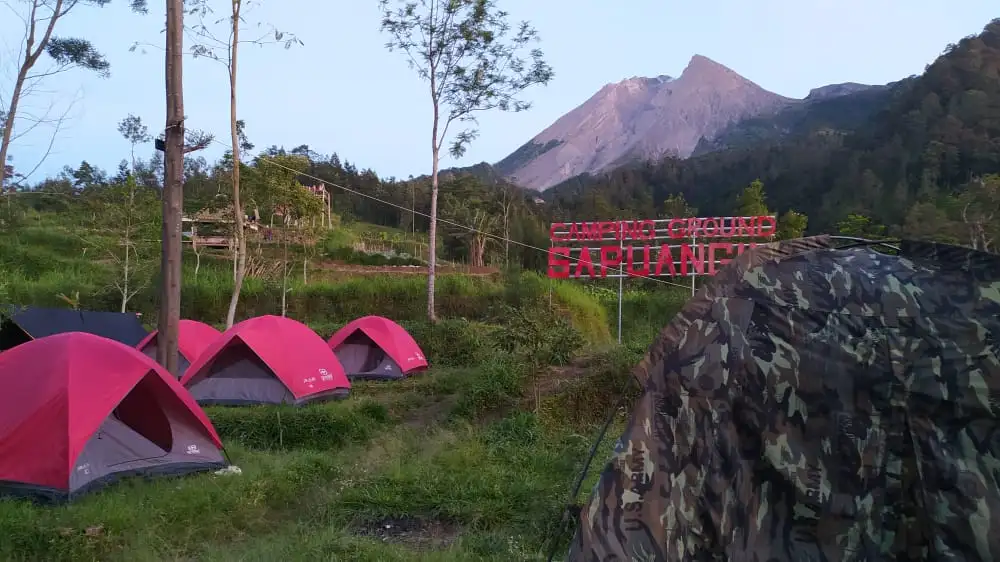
point(323, 193)
point(215, 229)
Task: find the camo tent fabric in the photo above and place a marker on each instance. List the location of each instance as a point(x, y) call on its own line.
point(815, 404)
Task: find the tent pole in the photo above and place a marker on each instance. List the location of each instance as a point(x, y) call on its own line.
point(550, 278)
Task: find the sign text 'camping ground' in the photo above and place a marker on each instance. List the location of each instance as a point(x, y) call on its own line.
point(652, 248)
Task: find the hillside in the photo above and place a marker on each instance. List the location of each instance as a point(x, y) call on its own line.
point(828, 110)
point(639, 118)
point(912, 166)
point(471, 460)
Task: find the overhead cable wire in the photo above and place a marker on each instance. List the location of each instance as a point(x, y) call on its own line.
point(620, 269)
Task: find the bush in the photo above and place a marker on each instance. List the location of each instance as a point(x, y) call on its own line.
point(354, 257)
point(590, 398)
point(311, 427)
point(540, 338)
point(454, 342)
point(495, 385)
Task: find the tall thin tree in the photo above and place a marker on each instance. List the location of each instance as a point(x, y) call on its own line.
point(226, 51)
point(173, 189)
point(135, 132)
point(474, 61)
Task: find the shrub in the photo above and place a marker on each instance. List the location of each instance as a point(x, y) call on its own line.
point(590, 398)
point(311, 427)
point(495, 385)
point(454, 342)
point(537, 337)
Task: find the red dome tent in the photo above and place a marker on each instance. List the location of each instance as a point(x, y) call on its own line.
point(192, 338)
point(79, 411)
point(266, 360)
point(374, 347)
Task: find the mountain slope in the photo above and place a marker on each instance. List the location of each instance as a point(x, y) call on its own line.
point(833, 109)
point(904, 166)
point(639, 119)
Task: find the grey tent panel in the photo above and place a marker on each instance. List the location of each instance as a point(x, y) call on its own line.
point(238, 377)
point(118, 449)
point(41, 322)
point(182, 362)
point(362, 358)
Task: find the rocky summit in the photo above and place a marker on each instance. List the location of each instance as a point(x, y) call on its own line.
point(640, 119)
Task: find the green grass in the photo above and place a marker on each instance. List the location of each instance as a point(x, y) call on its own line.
point(480, 489)
point(473, 459)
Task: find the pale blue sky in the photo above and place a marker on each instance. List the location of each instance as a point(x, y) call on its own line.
point(342, 92)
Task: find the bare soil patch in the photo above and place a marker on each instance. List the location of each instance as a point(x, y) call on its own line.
point(412, 532)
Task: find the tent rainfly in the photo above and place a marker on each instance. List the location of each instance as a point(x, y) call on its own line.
point(266, 360)
point(815, 402)
point(192, 338)
point(374, 347)
point(79, 411)
point(23, 324)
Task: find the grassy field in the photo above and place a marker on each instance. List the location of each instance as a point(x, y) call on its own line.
point(472, 460)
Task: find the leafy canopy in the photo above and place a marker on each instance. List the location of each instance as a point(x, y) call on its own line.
point(471, 55)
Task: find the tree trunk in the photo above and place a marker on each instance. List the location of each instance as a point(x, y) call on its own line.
point(241, 247)
point(432, 233)
point(8, 129)
point(173, 190)
point(506, 227)
point(125, 283)
point(284, 275)
point(128, 244)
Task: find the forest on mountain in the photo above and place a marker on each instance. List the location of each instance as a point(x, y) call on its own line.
point(922, 166)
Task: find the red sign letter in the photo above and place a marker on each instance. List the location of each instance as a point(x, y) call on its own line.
point(611, 256)
point(557, 237)
point(585, 261)
point(559, 262)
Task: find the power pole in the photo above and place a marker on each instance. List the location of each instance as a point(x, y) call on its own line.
point(173, 190)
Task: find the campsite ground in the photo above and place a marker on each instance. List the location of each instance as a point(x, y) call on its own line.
point(472, 460)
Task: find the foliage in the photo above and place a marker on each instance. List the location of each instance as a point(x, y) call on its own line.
point(40, 18)
point(135, 132)
point(126, 231)
point(860, 226)
point(542, 339)
point(674, 206)
point(470, 55)
point(752, 201)
point(272, 186)
point(479, 214)
point(588, 399)
point(791, 225)
point(464, 50)
point(319, 427)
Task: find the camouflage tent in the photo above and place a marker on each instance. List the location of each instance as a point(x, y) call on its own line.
point(815, 403)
